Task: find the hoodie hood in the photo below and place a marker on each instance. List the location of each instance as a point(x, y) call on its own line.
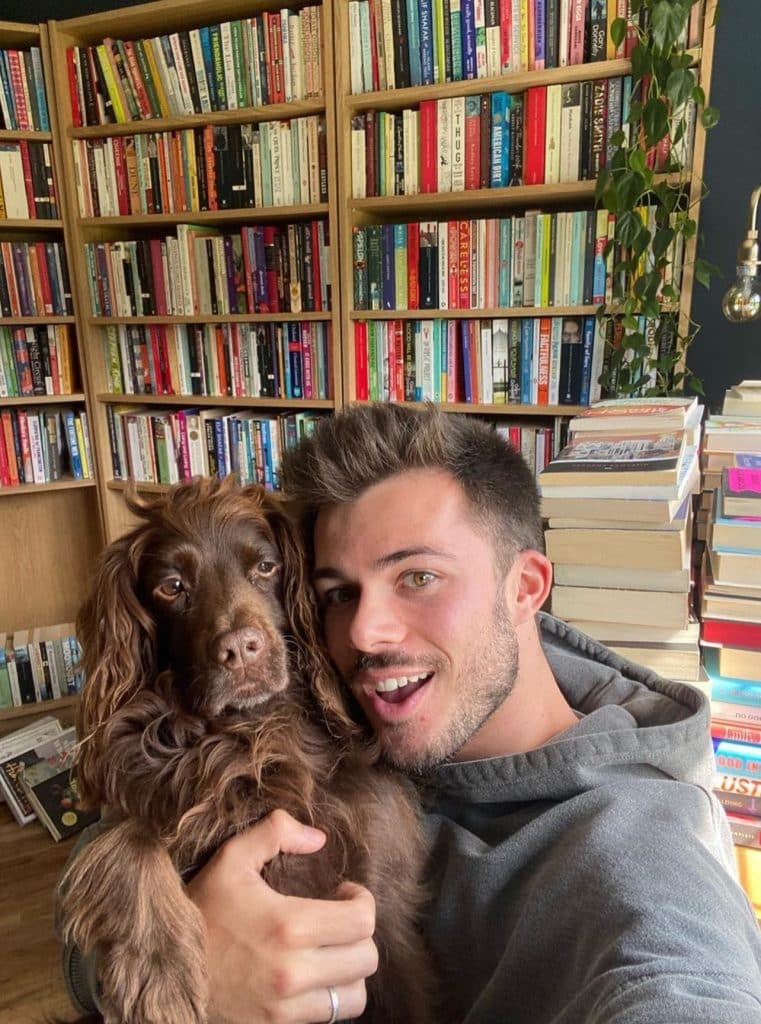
point(631, 717)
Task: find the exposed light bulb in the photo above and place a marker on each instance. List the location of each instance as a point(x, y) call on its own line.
point(742, 302)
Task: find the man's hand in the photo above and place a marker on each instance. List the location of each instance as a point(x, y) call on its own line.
point(273, 957)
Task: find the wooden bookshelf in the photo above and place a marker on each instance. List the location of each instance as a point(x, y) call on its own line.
point(470, 204)
point(142, 22)
point(51, 532)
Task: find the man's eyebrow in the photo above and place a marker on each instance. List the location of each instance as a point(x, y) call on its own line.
point(392, 558)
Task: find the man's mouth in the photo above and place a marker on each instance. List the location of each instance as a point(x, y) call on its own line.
point(396, 689)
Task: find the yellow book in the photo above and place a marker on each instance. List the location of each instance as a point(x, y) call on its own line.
point(158, 85)
point(108, 77)
point(524, 36)
point(86, 468)
point(749, 872)
point(438, 40)
point(2, 202)
point(63, 339)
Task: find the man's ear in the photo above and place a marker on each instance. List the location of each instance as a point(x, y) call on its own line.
point(528, 585)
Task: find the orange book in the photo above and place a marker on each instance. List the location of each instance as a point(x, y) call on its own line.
point(10, 447)
point(543, 372)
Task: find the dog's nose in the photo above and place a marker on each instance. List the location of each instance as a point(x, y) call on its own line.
point(238, 649)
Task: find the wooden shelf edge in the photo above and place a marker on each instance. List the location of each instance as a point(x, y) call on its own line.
point(30, 224)
point(233, 401)
point(208, 318)
point(28, 134)
point(494, 410)
point(515, 81)
point(37, 707)
point(54, 485)
point(29, 321)
point(506, 312)
point(252, 215)
point(241, 115)
point(41, 399)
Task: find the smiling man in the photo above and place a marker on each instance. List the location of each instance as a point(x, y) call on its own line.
point(580, 870)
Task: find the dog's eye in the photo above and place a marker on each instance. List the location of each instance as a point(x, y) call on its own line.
point(170, 588)
point(266, 568)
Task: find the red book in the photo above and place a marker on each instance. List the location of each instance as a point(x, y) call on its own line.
point(472, 148)
point(453, 267)
point(505, 31)
point(397, 367)
point(734, 634)
point(428, 147)
point(270, 263)
point(122, 188)
point(5, 472)
point(16, 73)
point(314, 228)
point(413, 266)
point(72, 73)
point(26, 448)
point(721, 730)
point(43, 275)
point(307, 355)
point(136, 80)
point(276, 53)
point(157, 273)
point(536, 123)
point(463, 249)
point(361, 379)
point(10, 447)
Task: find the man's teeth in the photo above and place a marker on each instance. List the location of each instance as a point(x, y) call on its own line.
point(387, 685)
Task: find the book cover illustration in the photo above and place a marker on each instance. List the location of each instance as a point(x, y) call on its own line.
point(646, 452)
point(53, 794)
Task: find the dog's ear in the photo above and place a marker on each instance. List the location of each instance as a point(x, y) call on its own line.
point(119, 651)
point(303, 616)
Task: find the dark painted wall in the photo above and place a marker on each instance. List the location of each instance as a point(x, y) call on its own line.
point(722, 353)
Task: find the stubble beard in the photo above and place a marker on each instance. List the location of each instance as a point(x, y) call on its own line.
point(484, 683)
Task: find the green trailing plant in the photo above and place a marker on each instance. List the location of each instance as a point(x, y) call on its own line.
point(648, 166)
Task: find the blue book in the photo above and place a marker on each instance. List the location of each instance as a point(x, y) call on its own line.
point(736, 758)
point(731, 691)
point(208, 64)
point(293, 340)
point(39, 85)
point(437, 364)
point(467, 342)
point(426, 41)
point(588, 344)
point(505, 261)
point(527, 355)
point(499, 113)
point(388, 269)
point(748, 460)
point(75, 459)
point(469, 65)
point(504, 171)
point(413, 43)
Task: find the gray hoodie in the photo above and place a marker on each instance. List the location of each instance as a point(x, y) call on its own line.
point(592, 880)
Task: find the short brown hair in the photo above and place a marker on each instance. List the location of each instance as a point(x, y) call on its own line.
point(365, 444)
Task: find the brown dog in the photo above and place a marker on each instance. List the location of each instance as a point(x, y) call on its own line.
point(208, 703)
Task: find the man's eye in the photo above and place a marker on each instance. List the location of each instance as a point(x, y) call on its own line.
point(170, 588)
point(419, 578)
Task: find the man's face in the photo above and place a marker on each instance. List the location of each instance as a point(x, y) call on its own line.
point(411, 595)
point(571, 332)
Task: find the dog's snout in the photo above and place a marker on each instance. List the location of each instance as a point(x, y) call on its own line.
point(240, 648)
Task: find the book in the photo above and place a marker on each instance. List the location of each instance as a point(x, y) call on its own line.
point(631, 577)
point(728, 689)
point(644, 548)
point(672, 661)
point(629, 632)
point(735, 565)
point(605, 604)
point(724, 631)
point(53, 794)
point(592, 509)
point(739, 663)
point(733, 531)
point(733, 757)
point(741, 490)
point(732, 434)
point(631, 415)
point(746, 830)
point(650, 459)
point(19, 749)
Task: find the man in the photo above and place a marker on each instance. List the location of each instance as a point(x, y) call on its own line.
point(580, 869)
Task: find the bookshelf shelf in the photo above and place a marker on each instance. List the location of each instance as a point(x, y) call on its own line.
point(8, 135)
point(68, 484)
point(30, 226)
point(247, 402)
point(208, 318)
point(242, 115)
point(23, 321)
point(77, 396)
point(470, 314)
point(510, 409)
point(396, 99)
point(43, 707)
point(259, 214)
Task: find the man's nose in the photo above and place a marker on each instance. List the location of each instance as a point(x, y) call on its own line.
point(376, 622)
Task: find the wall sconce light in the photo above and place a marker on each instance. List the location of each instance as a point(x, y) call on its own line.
point(742, 302)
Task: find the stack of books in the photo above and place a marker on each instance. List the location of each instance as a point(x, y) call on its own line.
point(39, 664)
point(36, 777)
point(618, 500)
point(730, 612)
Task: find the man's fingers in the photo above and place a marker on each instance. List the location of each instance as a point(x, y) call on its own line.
point(278, 833)
point(337, 922)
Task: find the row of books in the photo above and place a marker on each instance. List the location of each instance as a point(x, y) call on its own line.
point(27, 187)
point(237, 166)
point(166, 446)
point(526, 361)
point(34, 279)
point(273, 57)
point(259, 360)
point(39, 446)
point(547, 135)
point(39, 664)
point(731, 605)
point(400, 43)
point(531, 259)
point(23, 102)
point(277, 268)
point(36, 777)
point(621, 575)
point(37, 360)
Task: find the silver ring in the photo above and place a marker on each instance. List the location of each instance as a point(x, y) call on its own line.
point(333, 1005)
